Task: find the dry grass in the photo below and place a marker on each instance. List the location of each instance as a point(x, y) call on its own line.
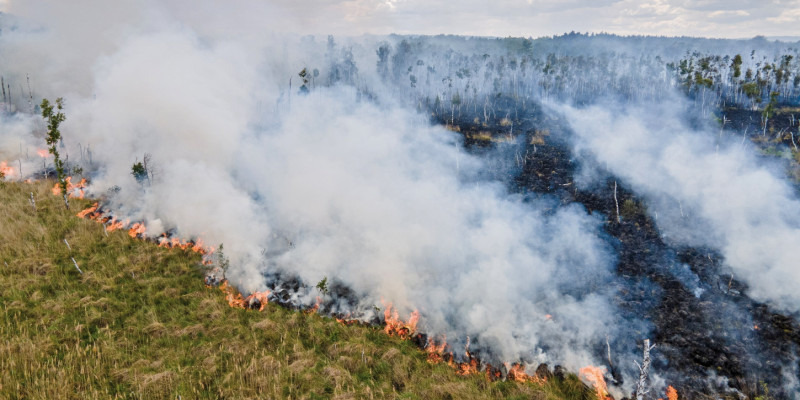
point(139, 324)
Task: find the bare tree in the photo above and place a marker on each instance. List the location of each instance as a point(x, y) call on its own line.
point(641, 385)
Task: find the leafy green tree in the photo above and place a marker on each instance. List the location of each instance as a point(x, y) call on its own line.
point(54, 119)
point(737, 66)
point(139, 172)
point(322, 285)
point(769, 110)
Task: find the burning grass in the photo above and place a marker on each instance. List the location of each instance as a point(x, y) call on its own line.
point(140, 323)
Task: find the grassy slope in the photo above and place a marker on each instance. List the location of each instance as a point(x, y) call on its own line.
point(139, 323)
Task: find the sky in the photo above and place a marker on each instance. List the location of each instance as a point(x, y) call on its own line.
point(710, 18)
point(525, 18)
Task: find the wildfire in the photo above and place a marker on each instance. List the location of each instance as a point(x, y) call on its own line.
point(595, 376)
point(396, 326)
point(89, 211)
point(436, 351)
point(257, 300)
point(139, 230)
point(75, 191)
point(346, 320)
point(672, 394)
point(114, 224)
point(43, 153)
point(5, 169)
point(517, 373)
point(315, 308)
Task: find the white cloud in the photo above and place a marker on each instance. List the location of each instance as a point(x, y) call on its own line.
point(734, 18)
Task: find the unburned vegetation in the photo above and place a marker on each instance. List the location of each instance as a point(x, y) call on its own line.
point(138, 322)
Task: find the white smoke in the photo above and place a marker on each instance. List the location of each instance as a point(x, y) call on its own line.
point(369, 195)
point(705, 188)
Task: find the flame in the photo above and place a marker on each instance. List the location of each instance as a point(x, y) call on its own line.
point(595, 376)
point(115, 225)
point(43, 153)
point(88, 211)
point(315, 307)
point(75, 191)
point(137, 230)
point(436, 351)
point(345, 320)
point(468, 368)
point(672, 394)
point(5, 169)
point(396, 326)
point(235, 299)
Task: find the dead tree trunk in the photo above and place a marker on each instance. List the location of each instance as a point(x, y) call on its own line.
point(616, 201)
point(641, 385)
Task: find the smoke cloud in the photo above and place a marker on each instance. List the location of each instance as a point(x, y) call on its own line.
point(704, 188)
point(366, 193)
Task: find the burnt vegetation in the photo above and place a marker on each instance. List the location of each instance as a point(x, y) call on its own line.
point(713, 340)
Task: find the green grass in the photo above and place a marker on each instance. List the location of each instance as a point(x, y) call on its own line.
point(139, 323)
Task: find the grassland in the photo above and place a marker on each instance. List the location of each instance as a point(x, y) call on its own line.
point(139, 323)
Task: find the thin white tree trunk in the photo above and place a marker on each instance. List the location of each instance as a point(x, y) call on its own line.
point(641, 385)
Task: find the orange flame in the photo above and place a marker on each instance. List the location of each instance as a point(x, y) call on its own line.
point(236, 300)
point(468, 368)
point(115, 225)
point(345, 320)
point(75, 191)
point(43, 153)
point(396, 326)
point(91, 210)
point(436, 351)
point(315, 308)
point(137, 230)
point(5, 169)
point(595, 376)
point(672, 394)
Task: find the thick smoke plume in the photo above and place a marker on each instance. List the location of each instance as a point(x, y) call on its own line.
point(324, 185)
point(704, 188)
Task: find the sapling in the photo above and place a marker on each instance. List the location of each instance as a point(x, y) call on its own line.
point(54, 119)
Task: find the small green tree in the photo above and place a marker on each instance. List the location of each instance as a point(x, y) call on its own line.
point(54, 119)
point(769, 110)
point(737, 66)
point(139, 172)
point(322, 285)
